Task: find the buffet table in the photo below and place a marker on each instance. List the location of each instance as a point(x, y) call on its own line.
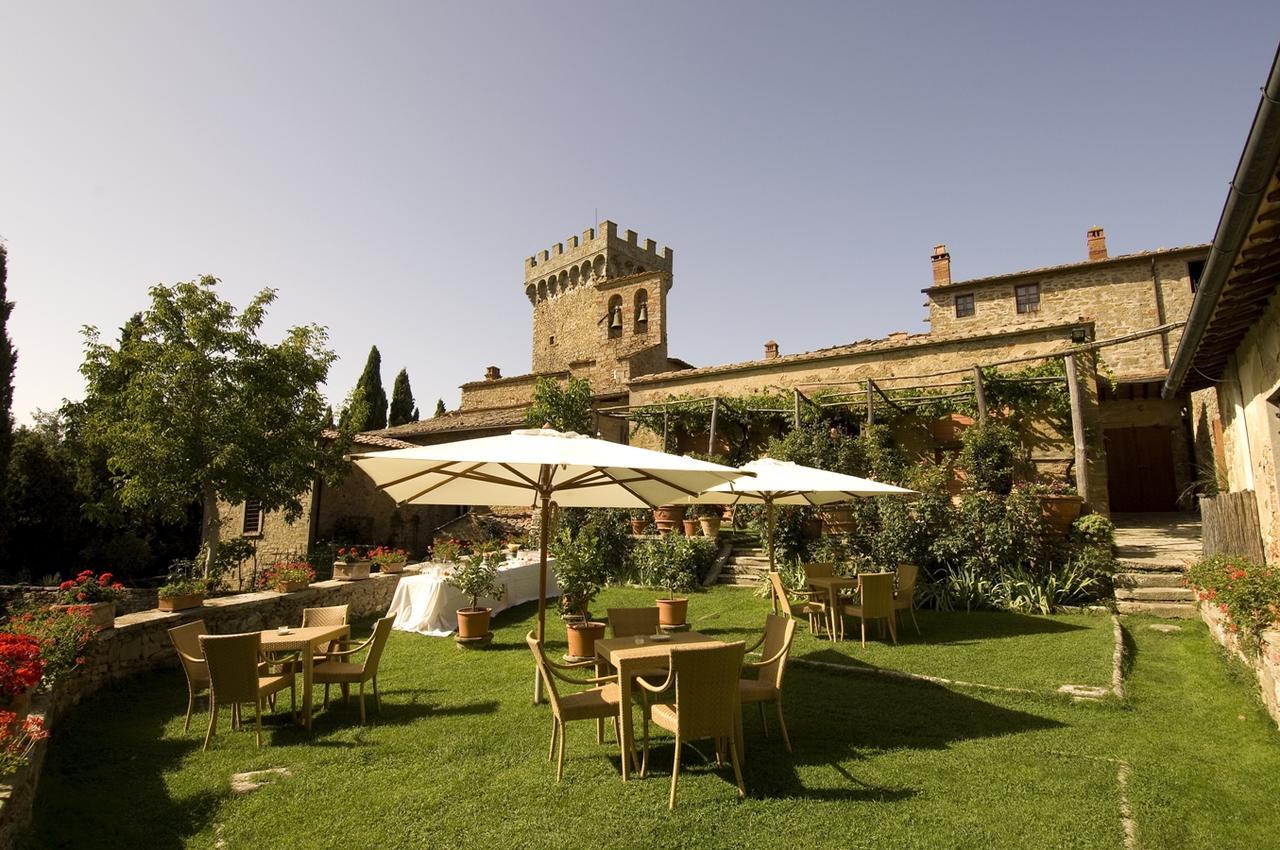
point(426, 604)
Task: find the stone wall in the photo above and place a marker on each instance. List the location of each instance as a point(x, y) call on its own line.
point(1120, 296)
point(1266, 666)
point(13, 595)
point(140, 643)
point(1249, 403)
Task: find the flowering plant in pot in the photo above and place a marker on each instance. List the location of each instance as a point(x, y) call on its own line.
point(18, 735)
point(286, 576)
point(388, 560)
point(98, 593)
point(352, 564)
point(476, 576)
point(182, 589)
point(447, 550)
point(21, 669)
point(64, 635)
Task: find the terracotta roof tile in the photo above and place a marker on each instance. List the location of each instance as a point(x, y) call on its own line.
point(456, 420)
point(1066, 266)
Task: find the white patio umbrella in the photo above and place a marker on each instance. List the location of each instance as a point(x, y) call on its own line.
point(540, 467)
point(778, 482)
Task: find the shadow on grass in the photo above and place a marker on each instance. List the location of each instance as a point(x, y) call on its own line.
point(115, 784)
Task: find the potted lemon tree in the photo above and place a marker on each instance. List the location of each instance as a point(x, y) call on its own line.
point(476, 576)
point(580, 573)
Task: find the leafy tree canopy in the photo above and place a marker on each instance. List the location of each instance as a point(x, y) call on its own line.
point(193, 405)
point(565, 407)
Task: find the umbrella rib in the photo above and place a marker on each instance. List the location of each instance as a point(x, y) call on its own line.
point(439, 484)
point(623, 485)
point(526, 479)
point(418, 474)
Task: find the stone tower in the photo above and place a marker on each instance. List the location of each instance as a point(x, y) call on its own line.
point(600, 306)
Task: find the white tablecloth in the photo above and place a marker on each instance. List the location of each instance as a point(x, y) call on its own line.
point(426, 604)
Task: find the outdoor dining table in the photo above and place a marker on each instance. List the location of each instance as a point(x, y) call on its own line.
point(307, 642)
point(631, 656)
point(832, 585)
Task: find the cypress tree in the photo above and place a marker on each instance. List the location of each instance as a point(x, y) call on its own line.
point(439, 407)
point(369, 388)
point(416, 417)
point(8, 359)
point(402, 409)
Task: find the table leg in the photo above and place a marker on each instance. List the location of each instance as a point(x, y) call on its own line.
point(307, 661)
point(628, 749)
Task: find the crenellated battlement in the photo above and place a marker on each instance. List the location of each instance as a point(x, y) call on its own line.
point(599, 252)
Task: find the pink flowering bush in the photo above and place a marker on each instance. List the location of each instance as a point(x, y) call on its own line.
point(1249, 594)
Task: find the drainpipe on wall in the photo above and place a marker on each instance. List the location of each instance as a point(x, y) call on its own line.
point(1160, 320)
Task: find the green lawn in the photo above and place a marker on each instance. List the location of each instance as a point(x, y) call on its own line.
point(458, 755)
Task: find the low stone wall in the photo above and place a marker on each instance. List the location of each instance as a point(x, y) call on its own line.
point(140, 643)
point(1266, 666)
point(135, 598)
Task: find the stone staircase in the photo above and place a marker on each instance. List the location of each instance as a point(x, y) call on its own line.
point(747, 565)
point(1153, 550)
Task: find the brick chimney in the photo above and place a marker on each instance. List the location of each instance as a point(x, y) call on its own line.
point(1097, 240)
point(941, 266)
point(493, 373)
point(771, 350)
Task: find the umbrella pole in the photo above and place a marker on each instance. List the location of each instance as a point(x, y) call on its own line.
point(769, 509)
point(543, 534)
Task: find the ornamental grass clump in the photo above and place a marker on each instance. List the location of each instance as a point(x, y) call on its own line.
point(89, 589)
point(64, 634)
point(1248, 593)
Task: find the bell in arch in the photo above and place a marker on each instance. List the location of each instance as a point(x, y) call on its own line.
point(642, 315)
point(616, 323)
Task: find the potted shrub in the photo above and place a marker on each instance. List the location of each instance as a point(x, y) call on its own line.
point(476, 576)
point(179, 594)
point(352, 564)
point(21, 669)
point(690, 526)
point(1059, 503)
point(446, 550)
point(286, 576)
point(580, 573)
point(641, 519)
point(97, 594)
point(389, 560)
point(668, 517)
point(670, 562)
point(709, 517)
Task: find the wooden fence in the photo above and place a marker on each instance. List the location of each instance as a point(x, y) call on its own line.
point(1229, 525)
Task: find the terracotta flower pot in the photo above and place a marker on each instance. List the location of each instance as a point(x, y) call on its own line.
point(354, 571)
point(102, 615)
point(391, 567)
point(1060, 511)
point(473, 622)
point(291, 586)
point(583, 637)
point(181, 603)
point(639, 526)
point(690, 527)
point(672, 612)
point(668, 517)
point(837, 520)
point(710, 526)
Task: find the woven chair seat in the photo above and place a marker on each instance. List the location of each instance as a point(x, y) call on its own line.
point(592, 703)
point(750, 690)
point(337, 671)
point(272, 684)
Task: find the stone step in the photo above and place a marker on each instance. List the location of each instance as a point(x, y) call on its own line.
point(738, 581)
point(1149, 579)
point(1150, 566)
point(762, 563)
point(1177, 610)
point(1155, 594)
point(738, 571)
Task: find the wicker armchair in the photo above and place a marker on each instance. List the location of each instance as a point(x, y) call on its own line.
point(236, 677)
point(809, 605)
point(602, 700)
point(331, 615)
point(629, 622)
point(334, 671)
point(705, 678)
point(186, 640)
point(875, 602)
point(904, 598)
point(775, 649)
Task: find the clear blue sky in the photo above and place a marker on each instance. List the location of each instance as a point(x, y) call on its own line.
point(388, 167)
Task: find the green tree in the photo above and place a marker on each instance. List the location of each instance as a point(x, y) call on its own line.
point(42, 507)
point(8, 359)
point(371, 395)
point(402, 409)
point(439, 407)
point(564, 407)
point(195, 406)
point(415, 416)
